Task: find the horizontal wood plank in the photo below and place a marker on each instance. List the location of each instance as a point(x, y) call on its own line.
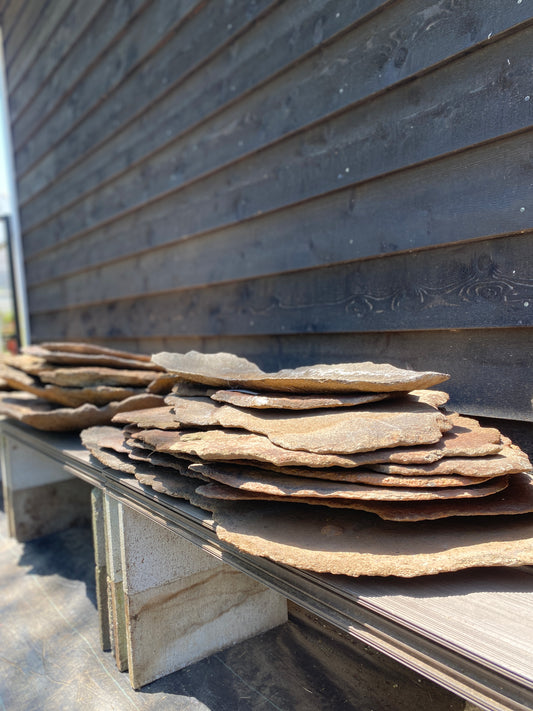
point(435, 114)
point(27, 75)
point(215, 66)
point(87, 153)
point(106, 29)
point(461, 197)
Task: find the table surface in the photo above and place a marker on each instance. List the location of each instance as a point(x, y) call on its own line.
point(471, 631)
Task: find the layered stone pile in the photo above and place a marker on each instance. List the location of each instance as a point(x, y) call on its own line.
point(70, 386)
point(354, 468)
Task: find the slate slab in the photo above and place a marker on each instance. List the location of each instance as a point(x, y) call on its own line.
point(158, 417)
point(266, 401)
point(515, 499)
point(43, 415)
point(228, 370)
point(92, 358)
point(358, 543)
point(323, 431)
point(261, 481)
point(90, 376)
point(509, 460)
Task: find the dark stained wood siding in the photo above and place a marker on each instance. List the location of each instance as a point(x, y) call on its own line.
point(293, 181)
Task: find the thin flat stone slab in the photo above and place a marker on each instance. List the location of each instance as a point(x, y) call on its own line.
point(345, 431)
point(229, 445)
point(166, 461)
point(157, 418)
point(165, 481)
point(80, 358)
point(105, 437)
point(90, 376)
point(516, 499)
point(42, 415)
point(357, 543)
point(32, 365)
point(68, 397)
point(92, 349)
point(510, 460)
point(466, 438)
point(261, 481)
point(267, 401)
point(228, 370)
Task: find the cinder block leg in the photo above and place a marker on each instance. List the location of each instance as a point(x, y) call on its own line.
point(100, 567)
point(115, 591)
point(182, 604)
point(41, 495)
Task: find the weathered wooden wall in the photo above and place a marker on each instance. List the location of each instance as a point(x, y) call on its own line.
point(293, 181)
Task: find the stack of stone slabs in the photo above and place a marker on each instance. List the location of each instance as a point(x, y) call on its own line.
point(69, 386)
point(352, 469)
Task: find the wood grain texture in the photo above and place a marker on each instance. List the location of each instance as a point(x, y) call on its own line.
point(216, 66)
point(59, 92)
point(418, 207)
point(470, 286)
point(311, 91)
point(42, 58)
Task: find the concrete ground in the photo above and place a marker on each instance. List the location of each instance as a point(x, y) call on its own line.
point(50, 657)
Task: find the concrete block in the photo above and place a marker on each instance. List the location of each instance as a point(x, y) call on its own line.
point(41, 496)
point(181, 603)
point(115, 592)
point(100, 567)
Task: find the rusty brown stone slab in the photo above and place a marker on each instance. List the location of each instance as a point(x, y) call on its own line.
point(90, 376)
point(68, 397)
point(43, 415)
point(157, 417)
point(515, 499)
point(32, 365)
point(92, 349)
point(227, 370)
point(266, 401)
point(99, 358)
point(357, 543)
point(345, 431)
point(165, 481)
point(262, 481)
point(437, 398)
point(105, 437)
point(161, 460)
point(510, 460)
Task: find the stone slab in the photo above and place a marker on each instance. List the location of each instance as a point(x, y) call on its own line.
point(358, 543)
point(345, 431)
point(261, 481)
point(228, 370)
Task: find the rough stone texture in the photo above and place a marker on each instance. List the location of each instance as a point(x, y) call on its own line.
point(261, 481)
point(105, 437)
point(156, 417)
point(345, 431)
point(266, 401)
point(516, 499)
point(43, 415)
point(91, 376)
point(356, 543)
point(163, 383)
point(437, 398)
point(510, 460)
point(101, 357)
point(164, 481)
point(69, 397)
point(28, 363)
point(230, 445)
point(91, 349)
point(466, 438)
point(163, 460)
point(225, 369)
